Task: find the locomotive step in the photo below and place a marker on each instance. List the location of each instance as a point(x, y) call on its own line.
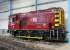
point(29, 37)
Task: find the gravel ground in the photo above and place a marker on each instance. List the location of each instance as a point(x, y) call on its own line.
point(9, 43)
point(15, 44)
point(40, 45)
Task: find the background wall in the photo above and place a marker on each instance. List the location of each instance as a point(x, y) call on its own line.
point(20, 6)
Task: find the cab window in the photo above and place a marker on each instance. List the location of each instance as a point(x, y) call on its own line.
point(13, 19)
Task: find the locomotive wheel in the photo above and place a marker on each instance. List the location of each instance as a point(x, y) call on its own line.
point(13, 33)
point(44, 37)
point(39, 34)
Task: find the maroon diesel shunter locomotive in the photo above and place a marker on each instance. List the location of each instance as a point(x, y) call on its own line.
point(48, 24)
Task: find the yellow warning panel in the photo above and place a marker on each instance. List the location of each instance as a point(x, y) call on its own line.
point(56, 11)
point(56, 24)
point(56, 20)
point(56, 15)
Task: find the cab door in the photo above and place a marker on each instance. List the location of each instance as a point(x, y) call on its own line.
point(23, 23)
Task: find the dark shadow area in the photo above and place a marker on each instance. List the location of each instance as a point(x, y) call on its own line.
point(3, 48)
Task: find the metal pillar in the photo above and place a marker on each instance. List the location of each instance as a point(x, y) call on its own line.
point(11, 7)
point(36, 6)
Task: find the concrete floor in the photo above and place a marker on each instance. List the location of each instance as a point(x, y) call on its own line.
point(15, 44)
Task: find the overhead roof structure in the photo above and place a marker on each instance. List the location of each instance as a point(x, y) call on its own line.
point(11, 5)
